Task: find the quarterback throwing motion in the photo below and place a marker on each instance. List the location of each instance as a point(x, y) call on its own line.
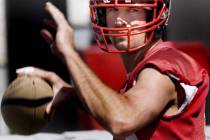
point(164, 95)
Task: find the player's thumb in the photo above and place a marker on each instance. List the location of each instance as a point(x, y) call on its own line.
point(50, 111)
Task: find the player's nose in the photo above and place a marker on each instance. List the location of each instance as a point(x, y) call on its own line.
point(121, 22)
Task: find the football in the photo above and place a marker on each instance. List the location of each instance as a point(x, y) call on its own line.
point(24, 103)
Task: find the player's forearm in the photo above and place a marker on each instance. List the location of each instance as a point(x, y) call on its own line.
point(102, 102)
point(117, 113)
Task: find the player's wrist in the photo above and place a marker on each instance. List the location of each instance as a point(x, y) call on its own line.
point(71, 54)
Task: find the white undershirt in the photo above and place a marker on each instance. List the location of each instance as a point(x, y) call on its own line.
point(189, 90)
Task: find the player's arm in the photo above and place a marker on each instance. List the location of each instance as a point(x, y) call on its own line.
point(120, 114)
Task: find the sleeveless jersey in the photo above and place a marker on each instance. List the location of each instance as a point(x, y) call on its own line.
point(189, 124)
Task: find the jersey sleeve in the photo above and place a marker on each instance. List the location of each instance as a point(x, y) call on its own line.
point(177, 63)
point(185, 69)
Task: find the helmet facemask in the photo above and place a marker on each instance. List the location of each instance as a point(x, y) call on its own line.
point(157, 14)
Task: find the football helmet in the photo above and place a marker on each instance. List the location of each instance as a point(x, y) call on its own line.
point(157, 19)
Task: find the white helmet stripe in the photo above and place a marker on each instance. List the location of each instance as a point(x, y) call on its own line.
point(106, 1)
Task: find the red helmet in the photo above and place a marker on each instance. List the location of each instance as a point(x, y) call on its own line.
point(158, 17)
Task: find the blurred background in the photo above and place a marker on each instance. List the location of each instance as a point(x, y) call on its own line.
point(21, 44)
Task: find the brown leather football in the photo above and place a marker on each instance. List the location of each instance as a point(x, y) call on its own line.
point(23, 104)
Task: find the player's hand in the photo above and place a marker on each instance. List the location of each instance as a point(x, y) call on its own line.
point(62, 91)
point(62, 43)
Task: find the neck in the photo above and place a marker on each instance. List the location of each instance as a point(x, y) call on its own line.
point(131, 59)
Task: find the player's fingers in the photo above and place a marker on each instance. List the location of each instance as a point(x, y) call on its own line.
point(52, 78)
point(56, 14)
point(32, 71)
point(47, 36)
point(25, 70)
point(50, 111)
point(48, 108)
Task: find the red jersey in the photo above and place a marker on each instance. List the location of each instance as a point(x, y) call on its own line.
point(190, 122)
